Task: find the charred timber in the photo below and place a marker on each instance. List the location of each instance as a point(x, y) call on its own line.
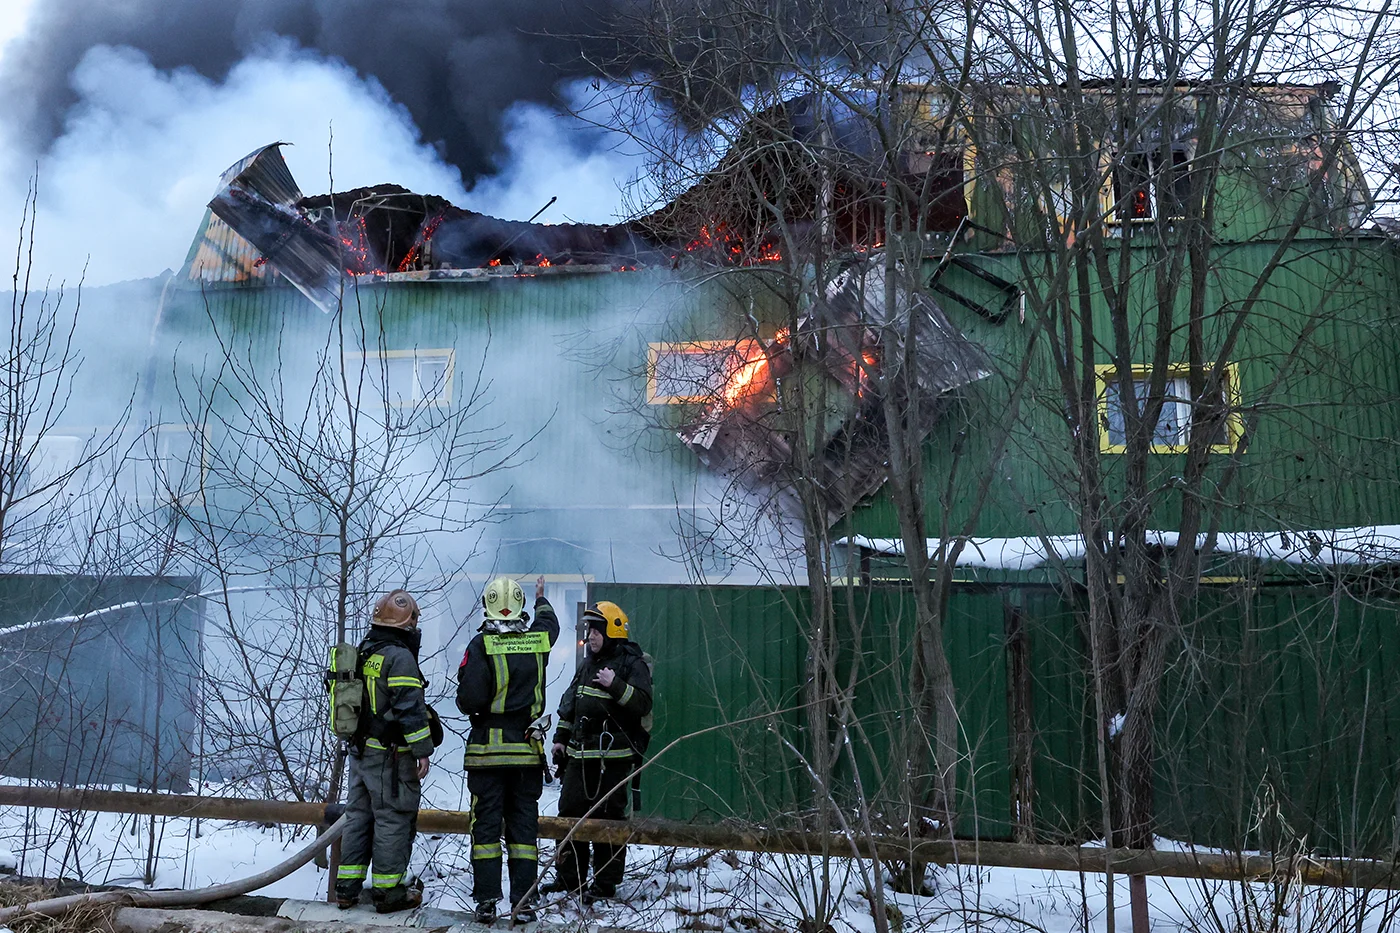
point(1328, 872)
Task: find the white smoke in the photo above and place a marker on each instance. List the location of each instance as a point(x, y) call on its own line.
point(123, 189)
point(593, 172)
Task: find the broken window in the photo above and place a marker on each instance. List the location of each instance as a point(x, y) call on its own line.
point(696, 372)
point(1178, 418)
point(1140, 185)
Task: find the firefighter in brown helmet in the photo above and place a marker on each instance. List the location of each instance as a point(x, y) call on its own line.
point(388, 763)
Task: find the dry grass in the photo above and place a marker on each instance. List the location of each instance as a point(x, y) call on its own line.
point(82, 920)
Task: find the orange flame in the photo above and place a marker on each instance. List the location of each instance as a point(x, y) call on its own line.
point(741, 384)
point(751, 376)
point(542, 261)
point(427, 235)
point(493, 263)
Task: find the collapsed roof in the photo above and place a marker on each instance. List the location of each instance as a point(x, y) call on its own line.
point(260, 220)
point(381, 230)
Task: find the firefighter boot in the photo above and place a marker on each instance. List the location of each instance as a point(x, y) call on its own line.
point(399, 897)
point(347, 893)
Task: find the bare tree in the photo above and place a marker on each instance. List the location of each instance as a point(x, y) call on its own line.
point(334, 464)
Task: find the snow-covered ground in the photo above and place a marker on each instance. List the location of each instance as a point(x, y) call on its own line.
point(670, 889)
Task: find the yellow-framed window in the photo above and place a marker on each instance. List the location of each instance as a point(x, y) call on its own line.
point(694, 372)
point(410, 377)
point(1178, 416)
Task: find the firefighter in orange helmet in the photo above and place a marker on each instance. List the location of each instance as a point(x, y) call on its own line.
point(604, 729)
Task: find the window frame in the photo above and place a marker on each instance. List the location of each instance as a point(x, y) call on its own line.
point(1106, 373)
point(447, 354)
point(742, 349)
point(1115, 213)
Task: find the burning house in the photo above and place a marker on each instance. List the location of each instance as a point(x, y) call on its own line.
point(642, 398)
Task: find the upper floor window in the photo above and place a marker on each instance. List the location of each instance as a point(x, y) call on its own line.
point(411, 377)
point(1141, 187)
point(1179, 416)
point(696, 371)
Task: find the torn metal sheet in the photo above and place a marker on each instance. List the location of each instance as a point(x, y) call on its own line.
point(852, 343)
point(257, 198)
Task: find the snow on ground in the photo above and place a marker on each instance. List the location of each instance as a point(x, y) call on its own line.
point(670, 889)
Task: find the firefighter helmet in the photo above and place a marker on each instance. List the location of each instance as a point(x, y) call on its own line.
point(608, 618)
point(503, 600)
point(396, 610)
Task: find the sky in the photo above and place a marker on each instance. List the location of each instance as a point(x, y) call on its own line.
point(124, 187)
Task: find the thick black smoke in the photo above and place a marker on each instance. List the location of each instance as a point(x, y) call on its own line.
point(457, 65)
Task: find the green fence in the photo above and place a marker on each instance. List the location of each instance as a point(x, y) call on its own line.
point(1279, 719)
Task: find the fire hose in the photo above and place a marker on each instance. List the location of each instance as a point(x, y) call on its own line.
point(58, 906)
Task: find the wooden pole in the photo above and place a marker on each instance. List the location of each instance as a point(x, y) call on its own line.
point(1328, 872)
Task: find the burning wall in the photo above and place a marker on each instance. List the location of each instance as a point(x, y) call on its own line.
point(837, 349)
point(843, 351)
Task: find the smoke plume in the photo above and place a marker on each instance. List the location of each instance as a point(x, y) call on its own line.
point(456, 65)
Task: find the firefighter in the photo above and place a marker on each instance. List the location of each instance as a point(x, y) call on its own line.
point(604, 724)
point(500, 686)
point(388, 764)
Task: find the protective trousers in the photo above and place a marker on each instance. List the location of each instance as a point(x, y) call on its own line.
point(505, 801)
point(381, 818)
point(585, 781)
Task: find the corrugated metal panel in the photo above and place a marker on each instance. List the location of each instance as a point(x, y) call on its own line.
point(1322, 444)
point(220, 255)
point(1288, 732)
point(974, 638)
point(723, 655)
point(559, 361)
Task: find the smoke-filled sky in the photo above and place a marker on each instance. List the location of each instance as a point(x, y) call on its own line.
point(131, 109)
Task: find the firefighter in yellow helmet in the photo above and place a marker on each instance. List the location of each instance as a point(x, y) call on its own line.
point(500, 686)
point(388, 760)
point(604, 727)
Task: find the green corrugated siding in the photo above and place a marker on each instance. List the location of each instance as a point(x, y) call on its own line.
point(723, 654)
point(560, 358)
point(1323, 450)
point(1282, 722)
point(1280, 713)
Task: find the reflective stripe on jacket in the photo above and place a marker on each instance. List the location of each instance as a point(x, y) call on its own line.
point(500, 687)
point(397, 706)
point(606, 722)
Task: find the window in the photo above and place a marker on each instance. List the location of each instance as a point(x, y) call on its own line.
point(695, 372)
point(1177, 418)
point(167, 463)
point(411, 377)
point(1136, 180)
point(49, 460)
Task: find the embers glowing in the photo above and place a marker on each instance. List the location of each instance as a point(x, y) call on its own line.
point(423, 237)
point(719, 238)
point(355, 248)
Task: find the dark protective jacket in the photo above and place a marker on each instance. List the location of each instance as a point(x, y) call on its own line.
point(606, 722)
point(398, 709)
point(500, 687)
